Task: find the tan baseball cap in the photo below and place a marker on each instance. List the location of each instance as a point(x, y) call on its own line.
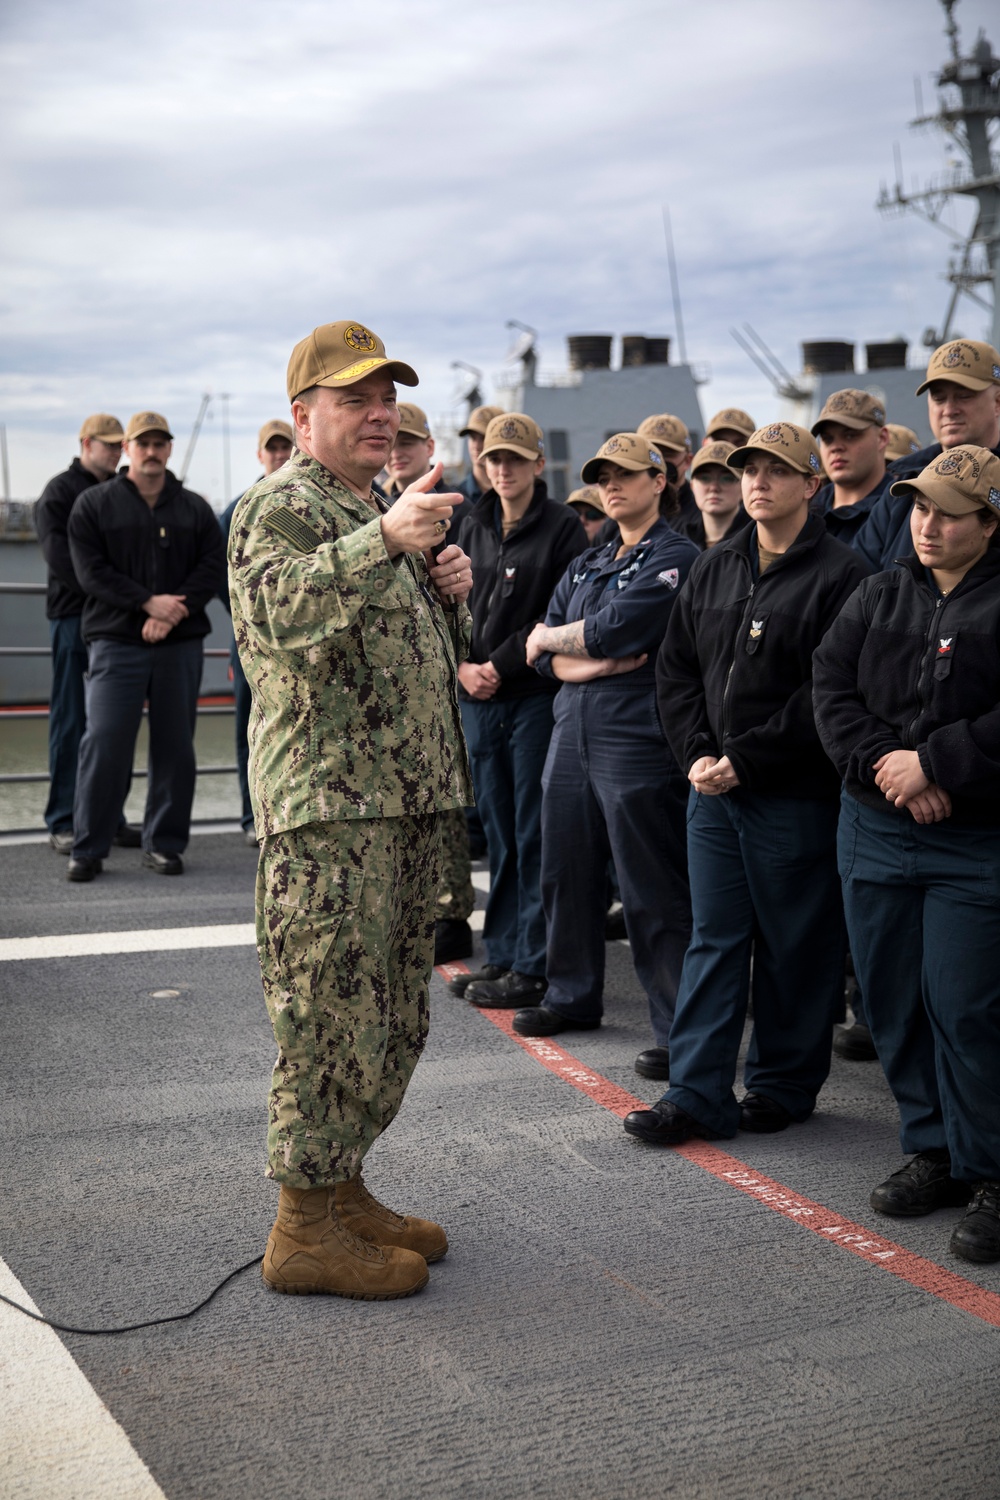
point(784, 440)
point(627, 449)
point(964, 362)
point(104, 427)
point(589, 495)
point(731, 419)
point(665, 429)
point(517, 432)
point(902, 441)
point(479, 419)
point(413, 420)
point(851, 408)
point(274, 429)
point(712, 453)
point(959, 481)
point(341, 354)
point(147, 421)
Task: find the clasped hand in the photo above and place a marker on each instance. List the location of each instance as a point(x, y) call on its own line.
point(901, 780)
point(711, 776)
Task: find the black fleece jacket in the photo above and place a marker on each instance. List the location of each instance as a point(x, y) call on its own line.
point(513, 580)
point(64, 596)
point(904, 668)
point(734, 673)
point(123, 553)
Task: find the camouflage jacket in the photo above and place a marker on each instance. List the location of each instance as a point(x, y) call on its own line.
point(349, 654)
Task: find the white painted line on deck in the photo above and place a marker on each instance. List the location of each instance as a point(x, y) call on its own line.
point(147, 940)
point(60, 1442)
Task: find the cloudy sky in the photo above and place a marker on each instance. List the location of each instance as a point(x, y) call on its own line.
point(189, 188)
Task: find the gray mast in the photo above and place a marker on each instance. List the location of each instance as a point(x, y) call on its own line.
point(968, 113)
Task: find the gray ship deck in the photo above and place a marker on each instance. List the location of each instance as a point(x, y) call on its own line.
point(611, 1321)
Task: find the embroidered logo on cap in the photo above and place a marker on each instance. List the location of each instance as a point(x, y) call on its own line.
point(656, 457)
point(814, 463)
point(612, 445)
point(994, 497)
point(774, 434)
point(957, 461)
point(360, 339)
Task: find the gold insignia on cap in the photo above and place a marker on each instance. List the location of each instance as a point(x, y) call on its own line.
point(360, 339)
point(956, 460)
point(510, 429)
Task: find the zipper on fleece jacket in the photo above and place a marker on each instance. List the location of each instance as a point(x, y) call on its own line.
point(740, 630)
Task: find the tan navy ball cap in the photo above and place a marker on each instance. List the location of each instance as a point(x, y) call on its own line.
point(147, 421)
point(479, 419)
point(517, 432)
point(665, 429)
point(627, 449)
point(274, 429)
point(959, 481)
point(731, 419)
point(851, 408)
point(104, 427)
point(964, 362)
point(712, 453)
point(793, 445)
point(589, 495)
point(413, 420)
point(902, 441)
point(341, 354)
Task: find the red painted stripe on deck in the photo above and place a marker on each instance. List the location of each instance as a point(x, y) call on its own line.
point(947, 1285)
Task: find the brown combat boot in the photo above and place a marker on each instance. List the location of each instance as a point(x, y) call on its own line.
point(310, 1249)
point(356, 1208)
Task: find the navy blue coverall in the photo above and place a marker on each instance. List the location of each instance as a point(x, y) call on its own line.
point(611, 787)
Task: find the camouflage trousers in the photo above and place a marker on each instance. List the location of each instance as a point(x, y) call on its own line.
point(456, 898)
point(345, 935)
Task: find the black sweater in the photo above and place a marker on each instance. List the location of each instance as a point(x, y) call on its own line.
point(123, 553)
point(64, 596)
point(513, 580)
point(905, 669)
point(734, 673)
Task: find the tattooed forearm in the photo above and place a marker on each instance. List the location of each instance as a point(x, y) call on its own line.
point(565, 639)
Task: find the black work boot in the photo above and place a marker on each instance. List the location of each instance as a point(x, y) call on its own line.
point(461, 982)
point(977, 1233)
point(508, 992)
point(923, 1185)
point(452, 941)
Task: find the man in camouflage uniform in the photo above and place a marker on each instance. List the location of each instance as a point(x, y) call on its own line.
point(349, 633)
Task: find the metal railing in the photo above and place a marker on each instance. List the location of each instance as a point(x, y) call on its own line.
point(23, 777)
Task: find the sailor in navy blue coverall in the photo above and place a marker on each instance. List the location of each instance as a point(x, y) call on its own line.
point(611, 786)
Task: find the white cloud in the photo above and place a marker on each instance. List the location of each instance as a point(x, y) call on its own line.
point(189, 189)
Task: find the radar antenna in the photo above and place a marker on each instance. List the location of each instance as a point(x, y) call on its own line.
point(969, 115)
point(469, 391)
point(523, 349)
